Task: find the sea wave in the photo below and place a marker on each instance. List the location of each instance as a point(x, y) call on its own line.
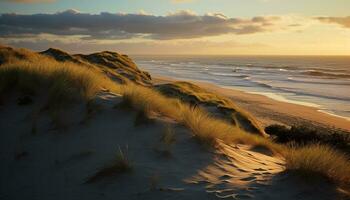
point(271, 85)
point(325, 74)
point(228, 74)
point(318, 81)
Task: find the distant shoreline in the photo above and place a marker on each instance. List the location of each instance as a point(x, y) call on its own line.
point(269, 110)
point(283, 99)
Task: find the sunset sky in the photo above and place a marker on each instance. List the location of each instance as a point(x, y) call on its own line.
point(257, 27)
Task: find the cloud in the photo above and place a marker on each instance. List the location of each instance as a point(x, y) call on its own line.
point(344, 21)
point(30, 1)
point(177, 25)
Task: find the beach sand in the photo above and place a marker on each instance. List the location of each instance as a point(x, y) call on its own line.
point(55, 164)
point(270, 111)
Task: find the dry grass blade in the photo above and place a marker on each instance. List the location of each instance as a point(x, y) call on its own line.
point(318, 159)
point(121, 164)
point(168, 137)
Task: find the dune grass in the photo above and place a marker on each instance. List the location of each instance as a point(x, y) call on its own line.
point(146, 99)
point(194, 94)
point(167, 141)
point(168, 137)
point(63, 82)
point(207, 129)
point(318, 159)
point(67, 83)
point(121, 164)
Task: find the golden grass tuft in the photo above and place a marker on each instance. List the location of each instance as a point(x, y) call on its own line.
point(205, 128)
point(208, 129)
point(121, 164)
point(318, 159)
point(189, 92)
point(167, 140)
point(65, 82)
point(146, 99)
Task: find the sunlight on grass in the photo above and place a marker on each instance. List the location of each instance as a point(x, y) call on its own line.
point(65, 82)
point(319, 159)
point(208, 129)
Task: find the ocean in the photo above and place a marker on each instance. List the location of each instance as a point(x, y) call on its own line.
point(318, 81)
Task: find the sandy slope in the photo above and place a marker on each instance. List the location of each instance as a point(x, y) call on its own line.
point(55, 163)
point(269, 111)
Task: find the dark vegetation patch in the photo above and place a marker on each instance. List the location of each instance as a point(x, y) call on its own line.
point(309, 134)
point(24, 100)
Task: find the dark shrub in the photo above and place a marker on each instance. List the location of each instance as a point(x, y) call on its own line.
point(302, 135)
point(25, 100)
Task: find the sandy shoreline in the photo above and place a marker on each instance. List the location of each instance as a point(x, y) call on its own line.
point(269, 111)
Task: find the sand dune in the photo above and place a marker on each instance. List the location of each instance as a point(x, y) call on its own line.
point(128, 141)
point(55, 163)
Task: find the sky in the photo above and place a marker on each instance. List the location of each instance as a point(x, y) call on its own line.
point(207, 27)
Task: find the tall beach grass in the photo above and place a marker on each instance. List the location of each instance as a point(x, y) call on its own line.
point(67, 82)
point(320, 159)
point(64, 82)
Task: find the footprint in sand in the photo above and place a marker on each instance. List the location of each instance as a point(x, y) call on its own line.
point(244, 196)
point(261, 184)
point(202, 182)
point(225, 196)
point(221, 186)
point(225, 192)
point(248, 178)
point(227, 181)
point(242, 170)
point(260, 169)
point(225, 177)
point(252, 189)
point(279, 163)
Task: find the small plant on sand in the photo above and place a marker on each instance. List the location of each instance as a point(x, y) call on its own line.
point(167, 141)
point(154, 182)
point(121, 164)
point(318, 159)
point(168, 137)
